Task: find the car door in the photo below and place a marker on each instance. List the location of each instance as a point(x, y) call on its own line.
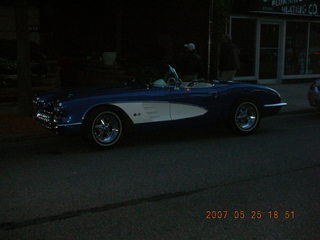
point(156, 104)
point(147, 105)
point(190, 102)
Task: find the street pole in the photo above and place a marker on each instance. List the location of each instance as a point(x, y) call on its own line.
point(210, 39)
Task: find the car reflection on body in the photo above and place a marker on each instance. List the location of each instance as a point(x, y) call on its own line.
point(314, 94)
point(103, 115)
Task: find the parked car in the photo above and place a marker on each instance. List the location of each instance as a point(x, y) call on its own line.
point(104, 115)
point(314, 94)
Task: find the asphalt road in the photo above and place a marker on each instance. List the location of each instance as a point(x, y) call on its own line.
point(161, 185)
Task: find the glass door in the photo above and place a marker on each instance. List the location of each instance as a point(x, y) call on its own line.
point(269, 52)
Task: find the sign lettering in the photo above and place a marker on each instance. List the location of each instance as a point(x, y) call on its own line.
point(289, 7)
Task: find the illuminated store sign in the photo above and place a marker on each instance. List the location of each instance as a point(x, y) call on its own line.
point(289, 7)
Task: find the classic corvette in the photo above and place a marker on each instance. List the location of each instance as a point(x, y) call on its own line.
point(103, 115)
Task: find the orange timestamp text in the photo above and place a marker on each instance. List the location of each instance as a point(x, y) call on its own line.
point(255, 214)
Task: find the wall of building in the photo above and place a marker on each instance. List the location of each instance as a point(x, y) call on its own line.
point(8, 28)
point(276, 45)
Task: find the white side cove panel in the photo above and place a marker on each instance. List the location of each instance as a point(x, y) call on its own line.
point(146, 112)
point(181, 111)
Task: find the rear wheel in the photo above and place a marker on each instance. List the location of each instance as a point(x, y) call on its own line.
point(104, 128)
point(245, 117)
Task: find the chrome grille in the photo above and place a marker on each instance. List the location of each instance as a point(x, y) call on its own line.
point(44, 117)
point(46, 120)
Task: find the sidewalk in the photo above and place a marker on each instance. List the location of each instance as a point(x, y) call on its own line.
point(12, 125)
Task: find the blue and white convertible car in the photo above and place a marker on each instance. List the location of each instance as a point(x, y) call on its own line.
point(103, 115)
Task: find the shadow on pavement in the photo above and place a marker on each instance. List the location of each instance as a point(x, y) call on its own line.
point(60, 144)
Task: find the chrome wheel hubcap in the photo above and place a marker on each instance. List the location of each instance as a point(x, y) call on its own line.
point(246, 116)
point(106, 128)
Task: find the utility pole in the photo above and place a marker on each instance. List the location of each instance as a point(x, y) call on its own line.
point(23, 57)
point(210, 39)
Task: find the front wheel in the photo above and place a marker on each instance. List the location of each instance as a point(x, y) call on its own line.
point(245, 117)
point(104, 128)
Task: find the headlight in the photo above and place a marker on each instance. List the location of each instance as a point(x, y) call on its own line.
point(37, 100)
point(58, 107)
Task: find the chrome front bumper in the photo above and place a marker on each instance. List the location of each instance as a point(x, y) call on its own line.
point(48, 121)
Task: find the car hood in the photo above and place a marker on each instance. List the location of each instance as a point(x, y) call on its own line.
point(70, 94)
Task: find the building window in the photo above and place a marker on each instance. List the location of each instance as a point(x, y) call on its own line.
point(269, 51)
point(314, 49)
point(246, 43)
point(296, 48)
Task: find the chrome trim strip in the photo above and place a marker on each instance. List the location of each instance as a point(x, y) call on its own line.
point(276, 105)
point(68, 124)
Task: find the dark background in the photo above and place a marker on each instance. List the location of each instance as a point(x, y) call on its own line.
point(130, 27)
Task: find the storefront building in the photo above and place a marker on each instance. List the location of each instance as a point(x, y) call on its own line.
point(279, 40)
